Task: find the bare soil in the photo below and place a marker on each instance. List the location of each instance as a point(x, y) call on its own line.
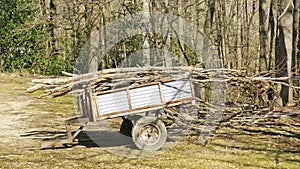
point(15, 110)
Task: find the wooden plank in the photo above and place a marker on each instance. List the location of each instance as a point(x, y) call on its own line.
point(145, 96)
point(93, 107)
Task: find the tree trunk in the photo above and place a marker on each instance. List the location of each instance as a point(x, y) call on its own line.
point(102, 32)
point(240, 34)
point(263, 37)
point(298, 53)
point(272, 33)
point(295, 40)
point(181, 28)
point(94, 37)
point(167, 57)
point(209, 17)
point(284, 46)
point(50, 23)
point(146, 45)
point(295, 36)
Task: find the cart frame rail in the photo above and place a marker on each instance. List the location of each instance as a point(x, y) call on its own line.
point(121, 102)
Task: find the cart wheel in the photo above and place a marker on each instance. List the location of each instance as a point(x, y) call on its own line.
point(126, 127)
point(149, 133)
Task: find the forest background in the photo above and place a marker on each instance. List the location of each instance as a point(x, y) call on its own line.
point(260, 37)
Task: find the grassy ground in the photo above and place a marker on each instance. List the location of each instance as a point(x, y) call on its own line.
point(27, 121)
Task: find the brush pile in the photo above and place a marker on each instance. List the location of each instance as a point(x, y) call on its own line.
point(248, 98)
point(106, 79)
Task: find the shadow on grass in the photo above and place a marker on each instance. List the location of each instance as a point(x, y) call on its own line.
point(103, 138)
point(272, 133)
point(257, 140)
point(258, 143)
point(85, 138)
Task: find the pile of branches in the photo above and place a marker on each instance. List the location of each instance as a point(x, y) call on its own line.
point(246, 96)
point(105, 79)
point(110, 78)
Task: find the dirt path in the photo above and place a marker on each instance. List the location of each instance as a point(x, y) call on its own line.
point(15, 111)
point(11, 119)
point(23, 117)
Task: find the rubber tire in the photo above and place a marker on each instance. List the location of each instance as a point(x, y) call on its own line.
point(150, 123)
point(126, 127)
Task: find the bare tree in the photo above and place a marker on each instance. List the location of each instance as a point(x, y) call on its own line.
point(295, 54)
point(263, 34)
point(146, 45)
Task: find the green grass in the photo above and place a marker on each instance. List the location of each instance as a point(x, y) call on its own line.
point(219, 154)
point(230, 148)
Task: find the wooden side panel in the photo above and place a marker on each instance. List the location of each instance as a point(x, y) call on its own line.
point(145, 96)
point(176, 90)
point(113, 102)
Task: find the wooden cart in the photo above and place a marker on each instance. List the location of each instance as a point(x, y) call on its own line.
point(149, 132)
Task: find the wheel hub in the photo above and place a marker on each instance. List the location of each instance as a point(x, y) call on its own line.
point(149, 134)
